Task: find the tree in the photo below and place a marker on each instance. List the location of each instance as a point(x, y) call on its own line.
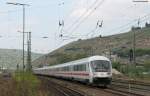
point(80, 56)
point(147, 65)
point(63, 58)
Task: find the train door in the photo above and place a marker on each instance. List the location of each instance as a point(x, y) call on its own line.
point(90, 73)
point(71, 70)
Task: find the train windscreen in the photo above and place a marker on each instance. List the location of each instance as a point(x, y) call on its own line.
point(100, 66)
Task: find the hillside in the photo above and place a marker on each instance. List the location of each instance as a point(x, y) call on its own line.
point(119, 46)
point(11, 57)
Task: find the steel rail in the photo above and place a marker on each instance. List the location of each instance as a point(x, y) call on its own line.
point(64, 90)
point(137, 87)
point(118, 91)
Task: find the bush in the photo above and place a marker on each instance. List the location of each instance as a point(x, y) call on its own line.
point(141, 52)
point(147, 66)
point(130, 70)
point(26, 83)
point(126, 52)
point(116, 65)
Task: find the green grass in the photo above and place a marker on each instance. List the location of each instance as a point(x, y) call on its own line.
point(26, 83)
point(22, 84)
point(132, 71)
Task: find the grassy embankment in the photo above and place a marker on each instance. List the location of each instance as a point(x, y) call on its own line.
point(21, 84)
point(138, 72)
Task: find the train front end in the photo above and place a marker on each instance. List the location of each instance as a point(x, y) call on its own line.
point(101, 71)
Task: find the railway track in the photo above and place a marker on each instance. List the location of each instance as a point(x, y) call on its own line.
point(121, 92)
point(65, 89)
point(133, 87)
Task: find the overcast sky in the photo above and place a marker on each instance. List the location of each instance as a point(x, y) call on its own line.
point(80, 18)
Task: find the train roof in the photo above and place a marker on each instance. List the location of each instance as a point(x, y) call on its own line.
point(76, 62)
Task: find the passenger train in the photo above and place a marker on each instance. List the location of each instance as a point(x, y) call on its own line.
point(92, 70)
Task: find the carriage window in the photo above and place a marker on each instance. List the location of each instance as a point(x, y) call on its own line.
point(100, 66)
point(57, 69)
point(75, 68)
point(80, 67)
point(83, 67)
point(66, 68)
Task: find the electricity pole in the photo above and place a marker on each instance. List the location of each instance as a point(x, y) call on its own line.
point(134, 35)
point(28, 59)
point(23, 26)
point(29, 66)
point(134, 44)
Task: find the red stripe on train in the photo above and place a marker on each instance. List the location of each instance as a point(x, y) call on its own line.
point(82, 74)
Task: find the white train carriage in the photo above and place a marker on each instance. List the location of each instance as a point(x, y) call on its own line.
point(94, 69)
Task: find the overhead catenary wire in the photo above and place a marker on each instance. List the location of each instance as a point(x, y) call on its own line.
point(60, 20)
point(131, 23)
point(126, 26)
point(66, 17)
point(86, 17)
point(99, 24)
point(82, 15)
point(92, 32)
point(61, 24)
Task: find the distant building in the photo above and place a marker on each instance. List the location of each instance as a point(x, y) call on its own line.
point(147, 24)
point(135, 28)
point(114, 58)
